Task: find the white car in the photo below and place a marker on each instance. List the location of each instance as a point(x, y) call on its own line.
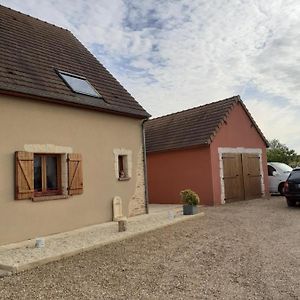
point(278, 174)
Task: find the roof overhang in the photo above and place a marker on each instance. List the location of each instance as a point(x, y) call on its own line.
point(108, 109)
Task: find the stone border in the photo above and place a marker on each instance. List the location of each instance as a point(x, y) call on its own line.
point(47, 148)
point(6, 270)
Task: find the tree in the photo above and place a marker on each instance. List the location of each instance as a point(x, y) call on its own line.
point(281, 153)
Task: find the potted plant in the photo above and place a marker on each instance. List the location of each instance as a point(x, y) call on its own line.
point(190, 201)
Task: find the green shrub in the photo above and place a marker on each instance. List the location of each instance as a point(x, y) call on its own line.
point(189, 197)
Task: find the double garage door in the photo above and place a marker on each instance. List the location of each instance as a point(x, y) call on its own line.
point(242, 177)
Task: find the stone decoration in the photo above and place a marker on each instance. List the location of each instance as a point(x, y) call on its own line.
point(137, 201)
point(47, 148)
point(117, 208)
point(128, 162)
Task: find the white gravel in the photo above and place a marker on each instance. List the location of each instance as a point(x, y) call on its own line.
point(24, 255)
point(245, 250)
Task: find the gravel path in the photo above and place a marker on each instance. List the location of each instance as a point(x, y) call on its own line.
point(245, 250)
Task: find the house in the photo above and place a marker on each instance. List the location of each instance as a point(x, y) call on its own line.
point(216, 149)
point(71, 135)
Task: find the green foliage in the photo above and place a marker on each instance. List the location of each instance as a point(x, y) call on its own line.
point(281, 153)
point(189, 197)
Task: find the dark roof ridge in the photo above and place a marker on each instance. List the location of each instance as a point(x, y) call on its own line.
point(196, 107)
point(26, 15)
point(193, 127)
point(32, 46)
point(72, 35)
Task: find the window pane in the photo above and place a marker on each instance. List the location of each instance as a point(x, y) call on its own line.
point(121, 166)
point(285, 168)
point(37, 173)
point(270, 170)
point(295, 175)
point(51, 163)
point(79, 85)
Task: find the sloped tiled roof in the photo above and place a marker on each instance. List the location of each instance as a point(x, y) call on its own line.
point(31, 50)
point(193, 127)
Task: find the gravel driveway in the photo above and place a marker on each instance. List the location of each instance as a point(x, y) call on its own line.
point(245, 250)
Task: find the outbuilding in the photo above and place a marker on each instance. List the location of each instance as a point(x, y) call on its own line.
point(71, 135)
point(216, 149)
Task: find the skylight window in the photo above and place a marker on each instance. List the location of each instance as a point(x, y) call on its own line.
point(78, 84)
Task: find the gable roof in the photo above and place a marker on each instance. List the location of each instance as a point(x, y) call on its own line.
point(193, 127)
point(31, 50)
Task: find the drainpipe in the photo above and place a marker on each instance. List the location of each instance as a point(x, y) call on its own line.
point(145, 167)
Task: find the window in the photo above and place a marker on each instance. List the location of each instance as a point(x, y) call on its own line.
point(270, 170)
point(122, 167)
point(283, 167)
point(122, 163)
point(47, 175)
point(41, 176)
point(78, 84)
point(295, 175)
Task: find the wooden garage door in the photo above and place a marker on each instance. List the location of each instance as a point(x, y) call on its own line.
point(242, 178)
point(233, 177)
point(252, 176)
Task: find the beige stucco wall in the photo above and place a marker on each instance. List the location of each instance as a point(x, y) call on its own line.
point(95, 135)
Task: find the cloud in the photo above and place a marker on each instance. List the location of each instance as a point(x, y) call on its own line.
point(277, 122)
point(173, 55)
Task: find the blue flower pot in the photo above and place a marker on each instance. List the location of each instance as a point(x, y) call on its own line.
point(190, 209)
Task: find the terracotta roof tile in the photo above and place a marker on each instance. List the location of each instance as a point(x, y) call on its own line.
point(193, 127)
point(32, 49)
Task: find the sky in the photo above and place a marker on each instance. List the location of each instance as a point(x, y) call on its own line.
point(173, 55)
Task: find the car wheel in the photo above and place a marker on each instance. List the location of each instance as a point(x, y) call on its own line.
point(290, 202)
point(281, 189)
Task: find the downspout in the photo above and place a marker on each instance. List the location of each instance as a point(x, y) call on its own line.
point(145, 166)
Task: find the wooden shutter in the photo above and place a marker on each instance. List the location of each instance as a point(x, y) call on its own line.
point(75, 180)
point(24, 175)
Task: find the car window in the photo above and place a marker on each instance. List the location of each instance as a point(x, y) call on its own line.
point(284, 167)
point(295, 174)
point(270, 170)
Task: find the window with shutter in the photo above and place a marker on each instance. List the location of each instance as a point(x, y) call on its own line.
point(75, 178)
point(24, 162)
point(47, 175)
point(42, 176)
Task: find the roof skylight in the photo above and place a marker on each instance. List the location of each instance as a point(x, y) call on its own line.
point(78, 84)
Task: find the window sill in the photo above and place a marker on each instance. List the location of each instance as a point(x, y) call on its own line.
point(124, 178)
point(48, 198)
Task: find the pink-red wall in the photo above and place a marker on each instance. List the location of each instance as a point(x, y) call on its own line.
point(170, 172)
point(238, 132)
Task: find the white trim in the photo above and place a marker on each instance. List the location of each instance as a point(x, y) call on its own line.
point(239, 150)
